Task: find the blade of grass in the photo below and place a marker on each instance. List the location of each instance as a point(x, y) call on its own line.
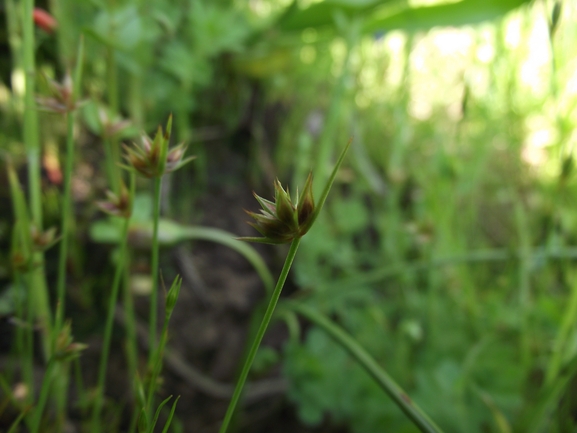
point(170, 416)
point(400, 397)
point(157, 414)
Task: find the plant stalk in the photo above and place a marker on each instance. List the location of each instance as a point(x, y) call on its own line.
point(33, 151)
point(260, 334)
point(66, 222)
point(43, 399)
point(154, 264)
point(119, 272)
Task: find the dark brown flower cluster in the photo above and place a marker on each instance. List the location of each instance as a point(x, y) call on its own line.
point(282, 221)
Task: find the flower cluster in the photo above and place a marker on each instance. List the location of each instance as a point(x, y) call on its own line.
point(66, 349)
point(282, 221)
point(119, 205)
point(61, 99)
point(152, 158)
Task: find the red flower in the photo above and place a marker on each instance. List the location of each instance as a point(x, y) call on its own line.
point(44, 20)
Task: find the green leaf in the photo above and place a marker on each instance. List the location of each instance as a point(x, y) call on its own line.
point(389, 15)
point(109, 230)
point(323, 13)
point(453, 14)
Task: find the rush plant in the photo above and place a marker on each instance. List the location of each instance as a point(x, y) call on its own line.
point(281, 221)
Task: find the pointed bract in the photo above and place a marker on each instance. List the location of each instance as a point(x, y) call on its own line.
point(306, 206)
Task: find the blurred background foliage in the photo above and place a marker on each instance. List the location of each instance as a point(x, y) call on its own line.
point(447, 247)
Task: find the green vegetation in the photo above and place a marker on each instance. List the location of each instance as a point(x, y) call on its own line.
point(435, 291)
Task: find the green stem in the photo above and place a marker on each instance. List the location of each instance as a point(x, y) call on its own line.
point(28, 354)
point(62, 370)
point(400, 397)
point(44, 392)
point(112, 79)
point(111, 165)
point(32, 142)
point(65, 228)
point(260, 334)
point(524, 270)
point(154, 264)
point(31, 135)
point(326, 141)
point(157, 362)
point(136, 104)
point(130, 323)
point(112, 151)
point(66, 28)
point(131, 345)
point(108, 329)
point(562, 337)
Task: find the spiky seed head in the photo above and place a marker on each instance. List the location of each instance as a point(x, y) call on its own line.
point(117, 205)
point(152, 157)
point(66, 349)
point(61, 99)
point(281, 221)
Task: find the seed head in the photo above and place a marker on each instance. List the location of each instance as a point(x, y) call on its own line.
point(152, 158)
point(42, 240)
point(117, 205)
point(112, 125)
point(66, 349)
point(60, 99)
point(282, 221)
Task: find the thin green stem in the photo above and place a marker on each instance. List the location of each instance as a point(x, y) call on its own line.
point(108, 329)
point(112, 151)
point(136, 104)
point(154, 264)
point(32, 142)
point(400, 397)
point(61, 383)
point(260, 334)
point(66, 222)
point(66, 29)
point(112, 79)
point(524, 270)
point(131, 345)
point(31, 134)
point(79, 383)
point(326, 141)
point(562, 337)
point(24, 335)
point(159, 351)
point(111, 165)
point(44, 392)
point(28, 349)
point(130, 322)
